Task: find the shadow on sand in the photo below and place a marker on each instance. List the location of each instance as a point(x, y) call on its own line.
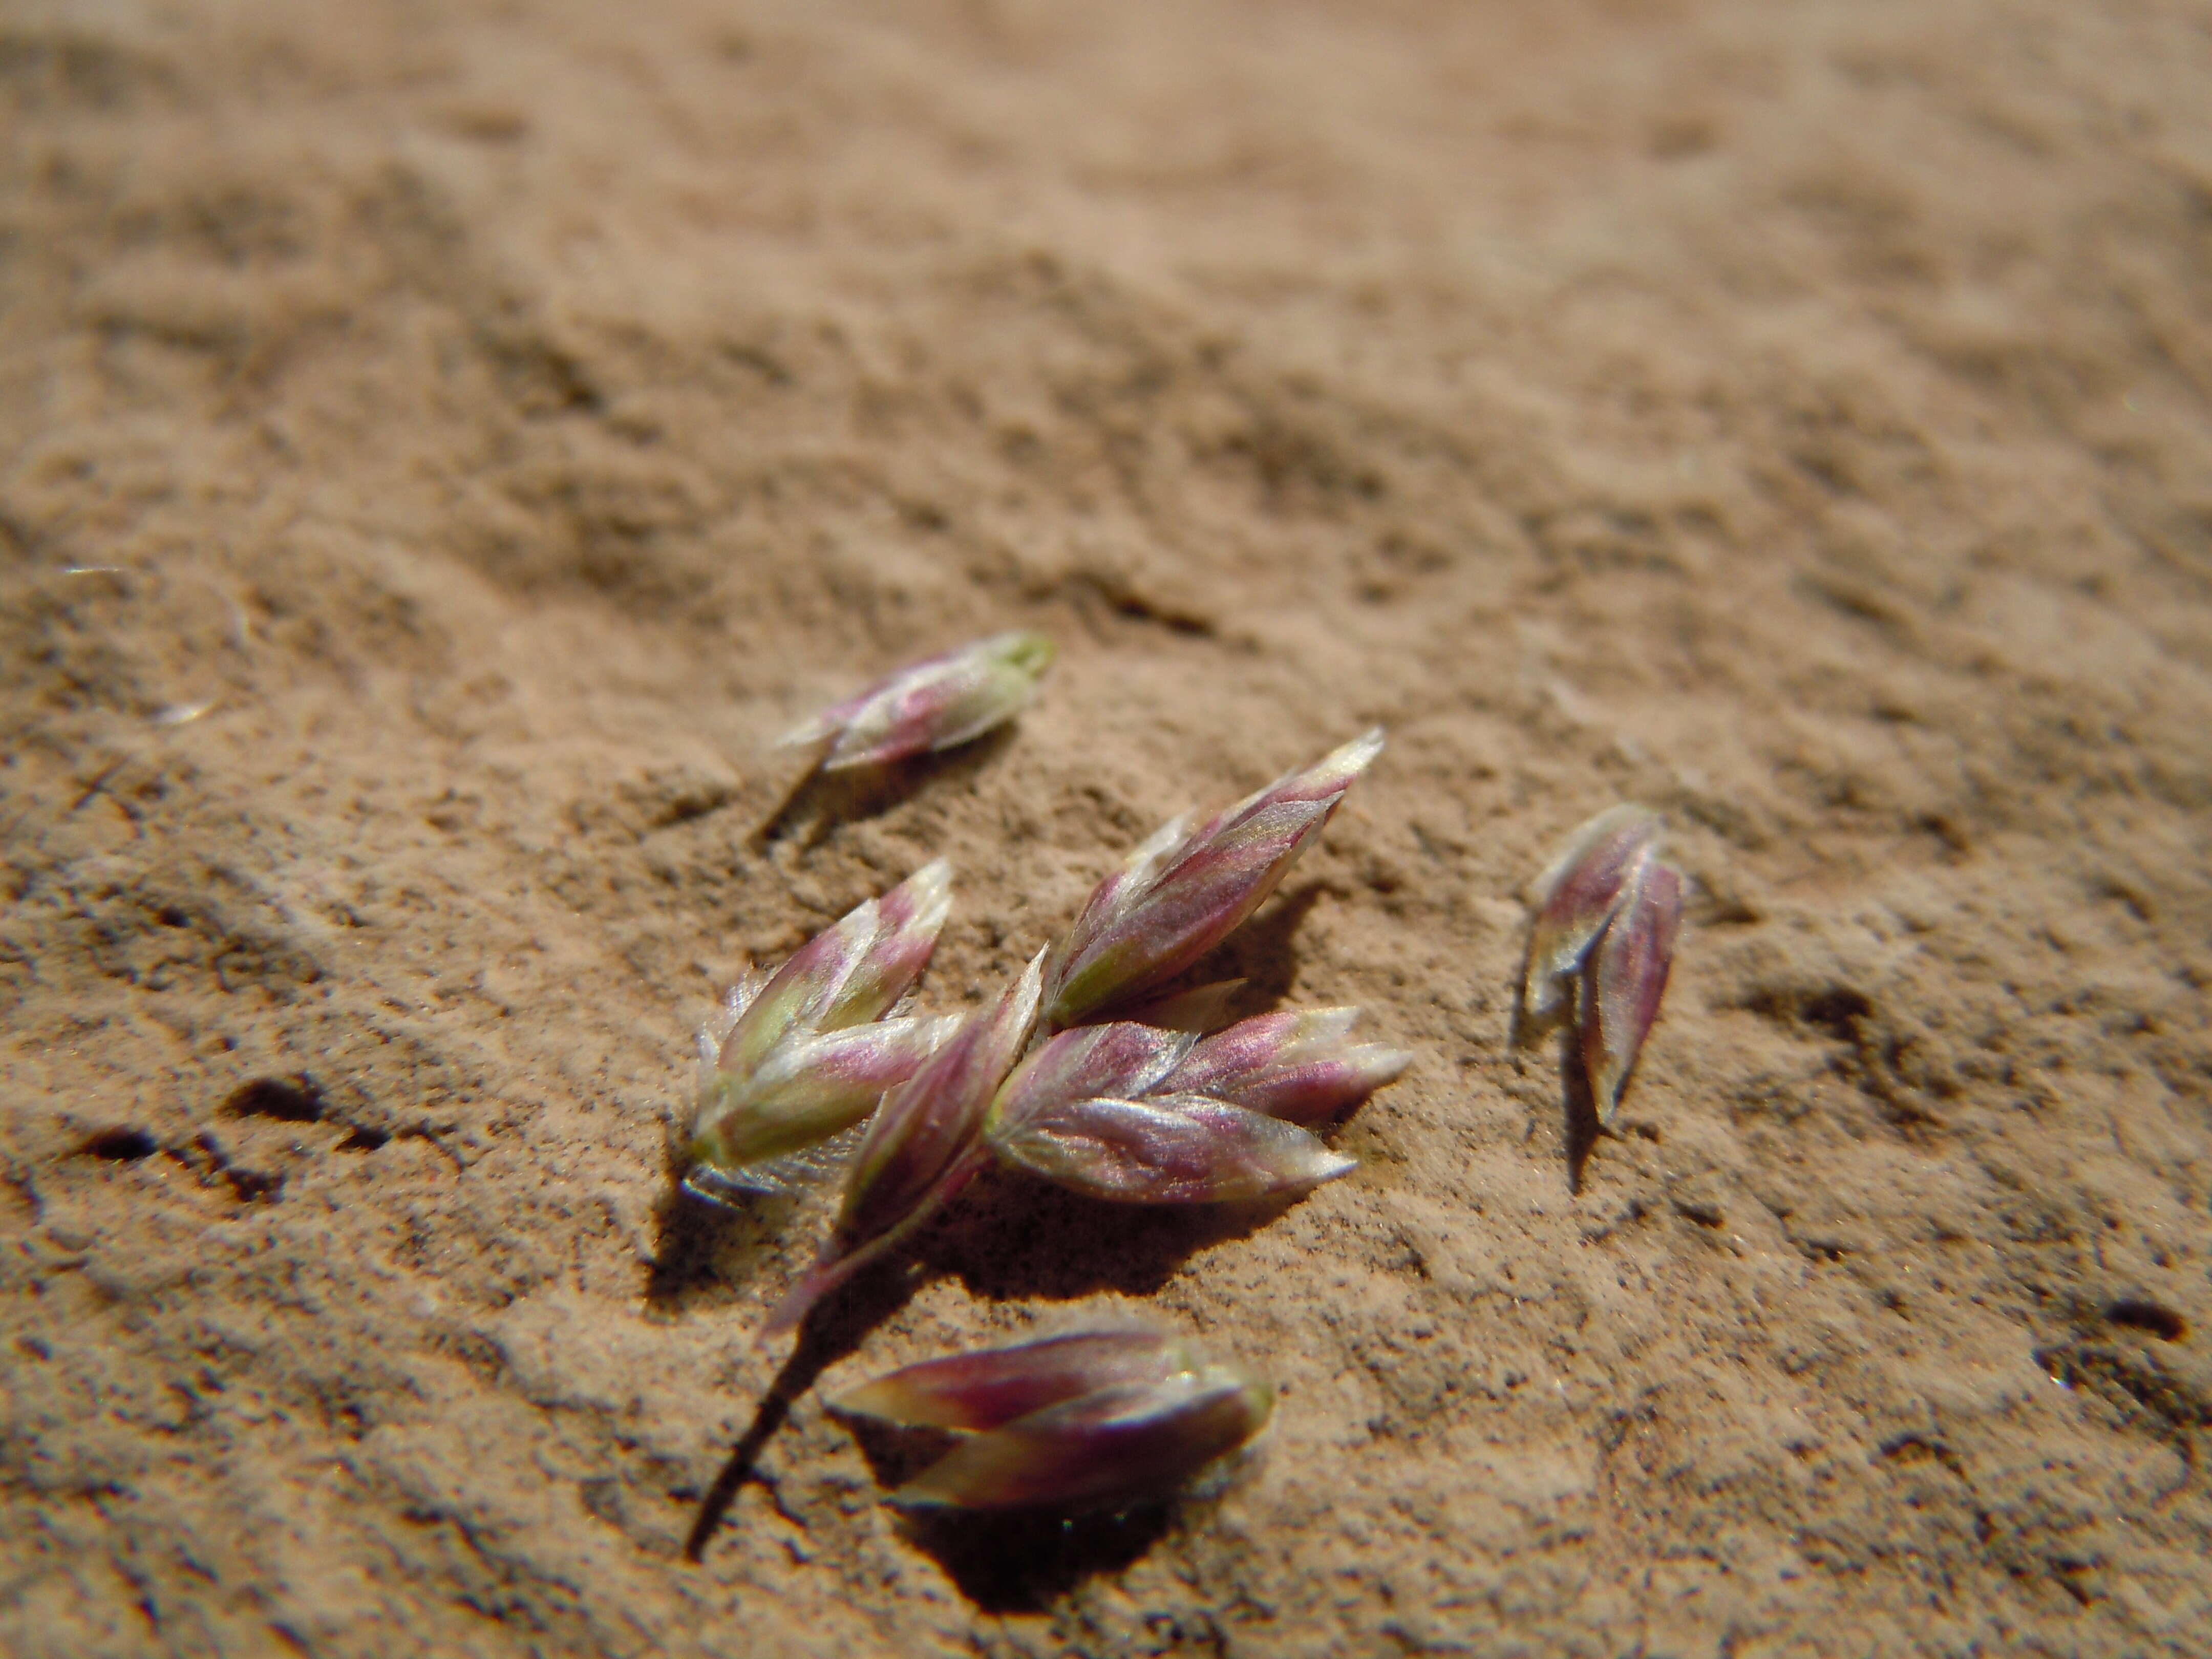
point(1006, 1238)
point(818, 801)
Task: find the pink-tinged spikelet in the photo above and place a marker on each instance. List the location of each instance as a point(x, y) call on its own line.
point(1178, 1148)
point(1183, 890)
point(1088, 1421)
point(992, 1386)
point(1609, 911)
point(933, 705)
point(921, 1147)
point(807, 1054)
point(1625, 980)
point(1575, 896)
point(1294, 1065)
point(1127, 1112)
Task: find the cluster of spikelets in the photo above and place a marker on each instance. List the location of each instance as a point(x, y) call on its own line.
point(1043, 1078)
point(1082, 1072)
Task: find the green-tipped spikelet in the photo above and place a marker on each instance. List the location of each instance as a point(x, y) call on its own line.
point(933, 705)
point(805, 1055)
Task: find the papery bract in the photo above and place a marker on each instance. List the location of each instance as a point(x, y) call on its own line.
point(1122, 1058)
point(1575, 896)
point(993, 1386)
point(932, 705)
point(1289, 1065)
point(908, 919)
point(922, 1145)
point(809, 1089)
point(1112, 1446)
point(1625, 980)
point(1183, 891)
point(1127, 1112)
point(848, 973)
point(1181, 1148)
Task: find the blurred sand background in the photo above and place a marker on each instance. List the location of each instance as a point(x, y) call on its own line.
point(442, 445)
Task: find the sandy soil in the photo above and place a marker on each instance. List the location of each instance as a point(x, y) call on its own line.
point(442, 445)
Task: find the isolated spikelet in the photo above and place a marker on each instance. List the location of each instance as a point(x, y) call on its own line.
point(1607, 914)
point(932, 705)
point(1575, 896)
point(991, 1387)
point(1085, 1421)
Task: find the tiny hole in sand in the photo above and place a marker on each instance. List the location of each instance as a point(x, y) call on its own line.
point(294, 1100)
point(120, 1145)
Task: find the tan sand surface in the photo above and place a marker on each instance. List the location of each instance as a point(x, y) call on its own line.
point(442, 445)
